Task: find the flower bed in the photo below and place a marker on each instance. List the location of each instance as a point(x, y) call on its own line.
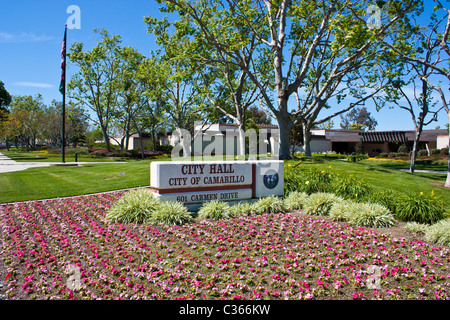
point(66, 249)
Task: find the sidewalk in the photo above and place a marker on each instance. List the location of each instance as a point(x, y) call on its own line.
point(424, 171)
point(9, 165)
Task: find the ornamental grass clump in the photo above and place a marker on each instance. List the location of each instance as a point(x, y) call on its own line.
point(243, 209)
point(320, 203)
point(370, 215)
point(171, 213)
point(439, 232)
point(135, 206)
point(416, 227)
point(295, 200)
point(420, 208)
point(340, 210)
point(270, 204)
point(215, 210)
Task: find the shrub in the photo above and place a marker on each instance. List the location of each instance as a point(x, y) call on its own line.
point(270, 204)
point(295, 200)
point(435, 152)
point(439, 232)
point(215, 210)
point(444, 151)
point(170, 212)
point(320, 203)
point(383, 155)
point(243, 209)
point(135, 206)
point(403, 149)
point(387, 198)
point(349, 187)
point(422, 153)
point(416, 227)
point(420, 208)
point(370, 215)
point(311, 181)
point(392, 154)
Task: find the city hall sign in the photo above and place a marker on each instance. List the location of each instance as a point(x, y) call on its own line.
point(194, 182)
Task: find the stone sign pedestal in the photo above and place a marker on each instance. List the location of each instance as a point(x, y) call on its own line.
point(195, 182)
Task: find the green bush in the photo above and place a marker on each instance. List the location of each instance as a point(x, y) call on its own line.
point(310, 181)
point(434, 152)
point(320, 203)
point(439, 232)
point(295, 200)
point(387, 198)
point(357, 157)
point(416, 227)
point(392, 154)
point(215, 210)
point(444, 151)
point(270, 204)
point(370, 215)
point(403, 149)
point(422, 153)
point(136, 206)
point(349, 187)
point(171, 213)
point(420, 208)
point(383, 155)
point(243, 209)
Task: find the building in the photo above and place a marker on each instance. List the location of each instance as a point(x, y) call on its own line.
point(375, 142)
point(223, 138)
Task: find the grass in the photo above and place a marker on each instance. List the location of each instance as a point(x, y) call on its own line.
point(50, 182)
point(53, 182)
point(381, 176)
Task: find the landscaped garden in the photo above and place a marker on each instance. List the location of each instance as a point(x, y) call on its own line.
point(343, 231)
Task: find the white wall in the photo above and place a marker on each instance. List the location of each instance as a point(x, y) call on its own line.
point(442, 142)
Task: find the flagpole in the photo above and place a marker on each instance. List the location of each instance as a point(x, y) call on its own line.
point(64, 99)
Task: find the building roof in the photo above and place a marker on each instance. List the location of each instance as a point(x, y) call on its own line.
point(384, 136)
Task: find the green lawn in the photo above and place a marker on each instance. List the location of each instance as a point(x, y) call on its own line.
point(50, 182)
point(381, 175)
point(44, 157)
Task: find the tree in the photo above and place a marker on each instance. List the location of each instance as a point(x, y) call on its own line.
point(432, 54)
point(26, 119)
point(358, 119)
point(290, 36)
point(5, 100)
point(258, 116)
point(129, 93)
point(177, 77)
point(96, 84)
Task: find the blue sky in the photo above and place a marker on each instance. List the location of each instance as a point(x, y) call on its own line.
point(31, 34)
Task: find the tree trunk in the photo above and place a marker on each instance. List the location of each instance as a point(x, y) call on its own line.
point(307, 139)
point(283, 118)
point(241, 140)
point(106, 137)
point(141, 139)
point(154, 139)
point(415, 149)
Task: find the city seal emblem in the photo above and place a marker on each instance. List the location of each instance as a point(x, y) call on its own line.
point(271, 179)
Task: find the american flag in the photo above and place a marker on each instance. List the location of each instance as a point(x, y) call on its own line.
point(62, 85)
